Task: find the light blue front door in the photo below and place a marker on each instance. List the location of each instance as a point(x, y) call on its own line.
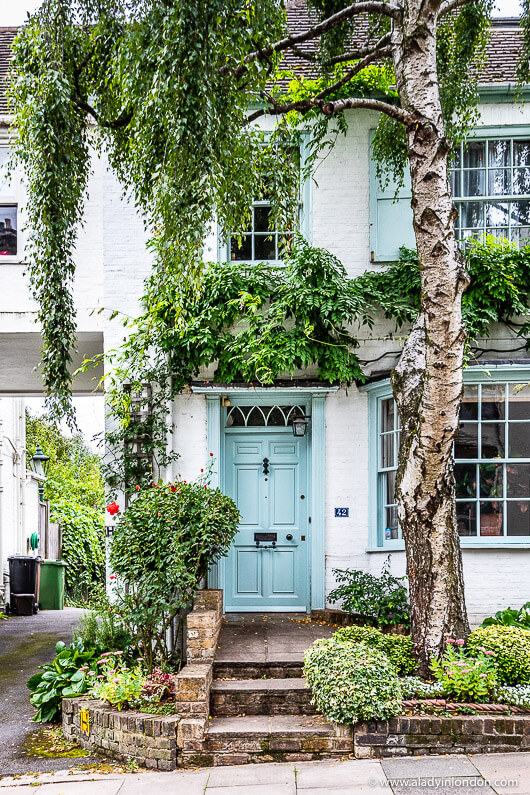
point(266, 475)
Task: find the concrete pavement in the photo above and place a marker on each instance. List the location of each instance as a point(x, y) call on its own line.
point(494, 774)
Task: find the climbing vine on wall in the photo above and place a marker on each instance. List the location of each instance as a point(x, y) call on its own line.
point(260, 323)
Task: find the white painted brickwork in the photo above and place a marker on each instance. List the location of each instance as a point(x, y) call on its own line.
point(112, 265)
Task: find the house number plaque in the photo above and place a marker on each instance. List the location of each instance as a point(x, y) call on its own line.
point(342, 511)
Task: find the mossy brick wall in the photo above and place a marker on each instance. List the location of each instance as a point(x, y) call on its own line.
point(149, 739)
point(419, 735)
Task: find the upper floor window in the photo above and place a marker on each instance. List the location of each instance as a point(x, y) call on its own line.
point(261, 242)
point(490, 180)
point(8, 230)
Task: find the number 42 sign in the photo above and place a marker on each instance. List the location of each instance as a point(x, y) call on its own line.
point(342, 511)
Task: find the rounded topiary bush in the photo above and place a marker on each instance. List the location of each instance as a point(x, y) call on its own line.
point(351, 681)
point(511, 646)
point(398, 648)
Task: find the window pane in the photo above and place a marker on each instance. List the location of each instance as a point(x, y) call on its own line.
point(475, 154)
point(499, 182)
point(8, 230)
point(475, 183)
point(519, 401)
point(261, 219)
point(493, 440)
point(391, 523)
point(498, 153)
point(520, 235)
point(521, 180)
point(520, 213)
point(265, 247)
point(519, 440)
point(390, 488)
point(518, 517)
point(457, 157)
point(243, 251)
point(454, 179)
point(472, 215)
point(469, 407)
point(387, 450)
point(493, 401)
point(521, 153)
point(466, 443)
point(491, 518)
point(491, 480)
point(497, 214)
point(466, 518)
point(518, 480)
point(388, 409)
point(466, 480)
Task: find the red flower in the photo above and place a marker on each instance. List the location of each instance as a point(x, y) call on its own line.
point(172, 488)
point(206, 487)
point(137, 488)
point(211, 454)
point(113, 508)
point(112, 577)
point(202, 470)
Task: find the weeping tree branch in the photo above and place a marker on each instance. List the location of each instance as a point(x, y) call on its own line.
point(368, 7)
point(451, 5)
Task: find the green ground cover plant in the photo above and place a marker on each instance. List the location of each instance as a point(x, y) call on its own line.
point(398, 648)
point(511, 647)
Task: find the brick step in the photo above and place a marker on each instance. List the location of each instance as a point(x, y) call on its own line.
point(282, 738)
point(241, 669)
point(260, 697)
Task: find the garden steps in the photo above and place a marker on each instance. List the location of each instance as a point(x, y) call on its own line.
point(257, 669)
point(261, 697)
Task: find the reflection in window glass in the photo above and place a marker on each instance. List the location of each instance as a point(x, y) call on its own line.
point(466, 444)
point(491, 516)
point(518, 518)
point(519, 401)
point(466, 518)
point(8, 230)
point(469, 407)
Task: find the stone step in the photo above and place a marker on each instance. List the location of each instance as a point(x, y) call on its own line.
point(245, 669)
point(260, 738)
point(260, 697)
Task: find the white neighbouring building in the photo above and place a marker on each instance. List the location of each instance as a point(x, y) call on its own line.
point(323, 501)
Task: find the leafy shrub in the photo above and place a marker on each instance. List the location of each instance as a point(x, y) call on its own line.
point(65, 676)
point(162, 547)
point(414, 687)
point(117, 684)
point(380, 601)
point(510, 618)
point(463, 675)
point(398, 648)
point(102, 630)
point(351, 681)
point(511, 646)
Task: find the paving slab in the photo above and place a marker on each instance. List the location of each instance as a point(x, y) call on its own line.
point(251, 775)
point(432, 785)
point(428, 767)
point(351, 789)
point(96, 787)
point(190, 782)
point(506, 773)
point(274, 725)
point(258, 789)
point(339, 774)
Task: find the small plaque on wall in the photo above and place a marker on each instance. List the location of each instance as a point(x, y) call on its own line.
point(342, 511)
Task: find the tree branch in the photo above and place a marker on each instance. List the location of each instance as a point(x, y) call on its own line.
point(368, 6)
point(354, 54)
point(115, 124)
point(359, 66)
point(451, 5)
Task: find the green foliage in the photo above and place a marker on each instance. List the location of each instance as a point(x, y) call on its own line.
point(256, 323)
point(351, 681)
point(66, 676)
point(511, 646)
point(103, 631)
point(162, 546)
point(75, 489)
point(414, 687)
point(464, 675)
point(398, 648)
point(510, 618)
point(381, 601)
point(117, 684)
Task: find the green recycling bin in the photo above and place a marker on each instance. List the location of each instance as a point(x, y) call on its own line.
point(51, 596)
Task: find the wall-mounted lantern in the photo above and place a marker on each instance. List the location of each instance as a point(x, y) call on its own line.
point(300, 425)
point(39, 463)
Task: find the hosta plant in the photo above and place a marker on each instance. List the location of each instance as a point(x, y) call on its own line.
point(465, 676)
point(66, 675)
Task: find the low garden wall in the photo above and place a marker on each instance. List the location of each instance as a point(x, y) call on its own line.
point(154, 741)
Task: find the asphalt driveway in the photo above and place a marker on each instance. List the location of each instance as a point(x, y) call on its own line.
point(25, 643)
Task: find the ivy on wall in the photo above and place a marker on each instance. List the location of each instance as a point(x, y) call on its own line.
point(257, 324)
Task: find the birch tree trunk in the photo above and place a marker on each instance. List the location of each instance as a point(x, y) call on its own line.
point(427, 382)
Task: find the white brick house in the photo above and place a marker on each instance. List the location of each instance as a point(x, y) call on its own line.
point(322, 501)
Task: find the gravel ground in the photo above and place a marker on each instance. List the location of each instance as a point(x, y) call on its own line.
point(25, 643)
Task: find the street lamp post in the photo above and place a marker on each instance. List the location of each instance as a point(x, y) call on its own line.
point(39, 463)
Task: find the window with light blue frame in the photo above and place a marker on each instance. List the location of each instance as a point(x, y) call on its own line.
point(261, 241)
point(492, 460)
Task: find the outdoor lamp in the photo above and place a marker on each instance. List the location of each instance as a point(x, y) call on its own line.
point(299, 426)
point(39, 463)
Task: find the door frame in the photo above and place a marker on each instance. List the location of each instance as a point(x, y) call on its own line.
point(315, 400)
